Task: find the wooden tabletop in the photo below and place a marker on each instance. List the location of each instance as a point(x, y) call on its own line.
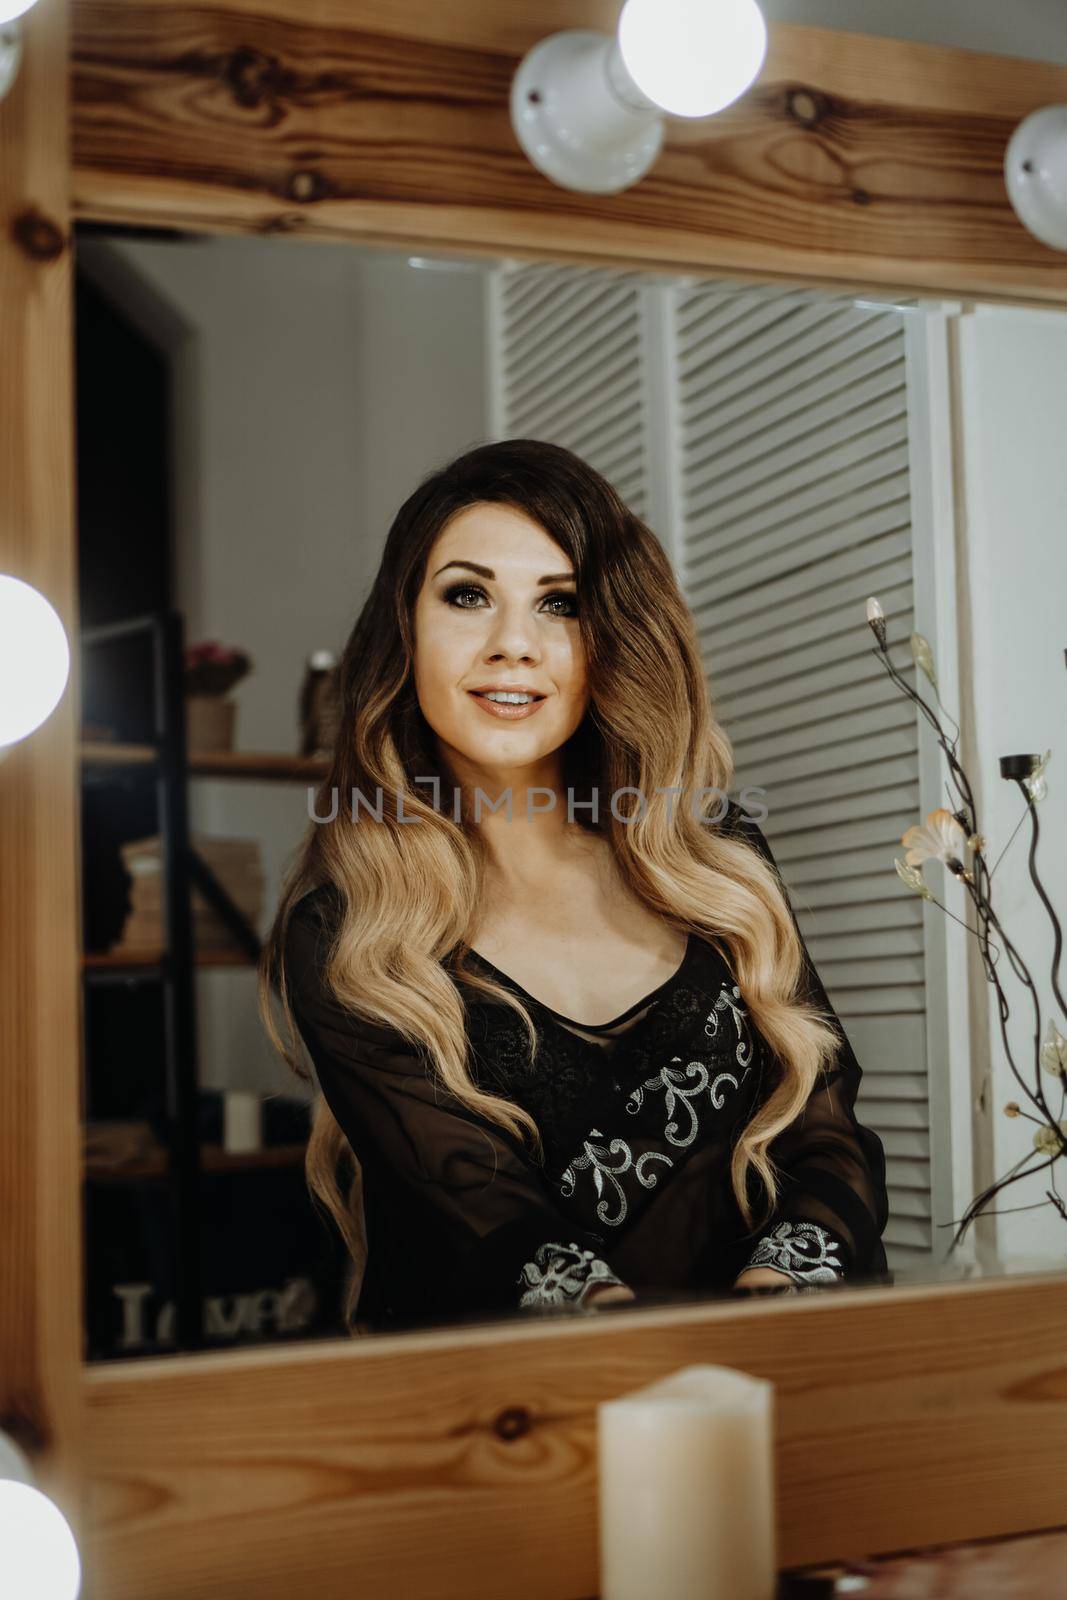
point(1029, 1566)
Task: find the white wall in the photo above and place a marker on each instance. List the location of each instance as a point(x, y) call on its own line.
point(1013, 372)
point(1035, 28)
point(315, 385)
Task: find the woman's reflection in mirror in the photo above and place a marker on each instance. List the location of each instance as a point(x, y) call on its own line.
point(570, 1043)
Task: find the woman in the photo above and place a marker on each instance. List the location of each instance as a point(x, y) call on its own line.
point(564, 1024)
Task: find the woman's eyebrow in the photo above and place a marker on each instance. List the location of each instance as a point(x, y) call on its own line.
point(487, 572)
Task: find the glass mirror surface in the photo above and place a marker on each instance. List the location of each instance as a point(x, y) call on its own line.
point(252, 414)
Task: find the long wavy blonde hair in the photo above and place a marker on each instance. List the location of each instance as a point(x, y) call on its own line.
point(410, 895)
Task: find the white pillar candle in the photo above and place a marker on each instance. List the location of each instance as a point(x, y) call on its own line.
point(240, 1121)
point(687, 1507)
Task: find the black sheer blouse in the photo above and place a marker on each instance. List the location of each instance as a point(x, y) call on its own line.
point(638, 1118)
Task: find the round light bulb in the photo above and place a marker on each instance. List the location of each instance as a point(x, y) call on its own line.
point(39, 1555)
point(693, 57)
point(34, 659)
point(10, 9)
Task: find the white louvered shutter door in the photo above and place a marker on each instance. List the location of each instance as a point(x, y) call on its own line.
point(567, 366)
point(795, 507)
point(763, 433)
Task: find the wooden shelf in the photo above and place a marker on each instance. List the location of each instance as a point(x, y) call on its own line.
point(268, 766)
point(97, 753)
point(213, 1158)
point(263, 766)
point(153, 957)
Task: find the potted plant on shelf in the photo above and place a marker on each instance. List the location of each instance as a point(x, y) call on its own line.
point(211, 671)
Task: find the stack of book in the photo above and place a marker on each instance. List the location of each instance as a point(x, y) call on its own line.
point(237, 865)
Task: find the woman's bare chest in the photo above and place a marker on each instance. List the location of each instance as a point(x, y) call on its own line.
point(589, 972)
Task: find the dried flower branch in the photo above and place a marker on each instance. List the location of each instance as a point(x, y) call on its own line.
point(954, 839)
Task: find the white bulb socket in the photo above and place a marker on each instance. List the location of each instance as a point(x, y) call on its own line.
point(1035, 171)
point(577, 116)
point(588, 108)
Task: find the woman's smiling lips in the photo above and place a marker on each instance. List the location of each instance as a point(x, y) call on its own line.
point(510, 713)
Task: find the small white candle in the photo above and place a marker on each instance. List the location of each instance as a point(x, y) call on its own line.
point(687, 1508)
point(241, 1130)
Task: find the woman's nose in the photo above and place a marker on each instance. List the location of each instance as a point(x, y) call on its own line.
point(513, 633)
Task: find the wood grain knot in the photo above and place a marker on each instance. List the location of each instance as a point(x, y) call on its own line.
point(512, 1422)
point(37, 236)
point(254, 76)
point(861, 197)
point(307, 185)
point(809, 107)
point(285, 222)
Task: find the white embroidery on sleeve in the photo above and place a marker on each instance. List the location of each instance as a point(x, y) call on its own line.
point(562, 1274)
point(802, 1250)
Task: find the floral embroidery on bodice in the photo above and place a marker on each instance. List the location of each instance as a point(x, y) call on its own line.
point(688, 1091)
point(674, 1077)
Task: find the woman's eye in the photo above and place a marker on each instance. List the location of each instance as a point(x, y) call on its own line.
point(459, 593)
point(452, 596)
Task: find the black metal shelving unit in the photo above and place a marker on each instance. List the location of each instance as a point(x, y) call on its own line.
point(165, 763)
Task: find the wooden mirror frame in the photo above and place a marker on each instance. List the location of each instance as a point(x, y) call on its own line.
point(462, 1462)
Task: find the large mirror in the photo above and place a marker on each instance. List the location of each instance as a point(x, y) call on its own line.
point(254, 416)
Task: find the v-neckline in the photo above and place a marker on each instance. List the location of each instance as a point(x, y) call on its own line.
point(569, 1024)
